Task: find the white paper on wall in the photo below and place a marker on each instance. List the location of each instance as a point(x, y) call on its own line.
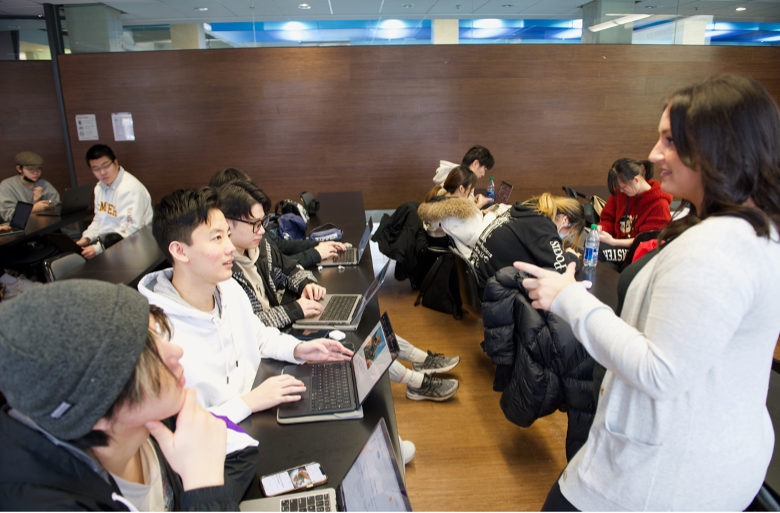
point(86, 126)
point(123, 126)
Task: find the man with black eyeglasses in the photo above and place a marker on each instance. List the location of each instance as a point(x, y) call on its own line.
point(122, 203)
point(265, 274)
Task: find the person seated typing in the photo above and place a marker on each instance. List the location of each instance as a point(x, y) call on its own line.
point(85, 389)
point(264, 273)
point(212, 318)
point(122, 203)
point(636, 204)
point(307, 252)
point(479, 160)
point(447, 210)
point(27, 186)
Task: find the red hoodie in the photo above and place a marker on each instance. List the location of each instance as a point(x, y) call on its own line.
point(647, 212)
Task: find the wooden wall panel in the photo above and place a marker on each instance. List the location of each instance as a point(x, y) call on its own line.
point(379, 119)
point(30, 119)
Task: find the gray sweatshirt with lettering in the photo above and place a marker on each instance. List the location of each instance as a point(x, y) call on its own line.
point(682, 422)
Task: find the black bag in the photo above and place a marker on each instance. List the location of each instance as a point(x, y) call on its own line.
point(440, 290)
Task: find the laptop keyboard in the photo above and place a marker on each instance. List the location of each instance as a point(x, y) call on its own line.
point(350, 255)
point(330, 387)
point(319, 502)
point(339, 308)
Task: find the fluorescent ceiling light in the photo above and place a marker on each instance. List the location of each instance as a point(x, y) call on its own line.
point(490, 23)
point(741, 8)
point(304, 6)
point(294, 25)
point(201, 8)
point(620, 21)
point(392, 24)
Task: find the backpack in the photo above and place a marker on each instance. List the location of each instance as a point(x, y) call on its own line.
point(286, 206)
point(440, 290)
point(292, 227)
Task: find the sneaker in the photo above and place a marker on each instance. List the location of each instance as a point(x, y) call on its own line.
point(407, 450)
point(433, 389)
point(436, 362)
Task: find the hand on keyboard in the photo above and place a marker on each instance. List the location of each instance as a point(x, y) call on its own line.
point(329, 249)
point(310, 308)
point(322, 350)
point(274, 391)
point(313, 291)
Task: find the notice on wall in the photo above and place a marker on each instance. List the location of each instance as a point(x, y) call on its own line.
point(123, 126)
point(86, 126)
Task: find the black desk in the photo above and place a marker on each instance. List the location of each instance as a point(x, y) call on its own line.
point(333, 444)
point(126, 262)
point(604, 284)
point(41, 225)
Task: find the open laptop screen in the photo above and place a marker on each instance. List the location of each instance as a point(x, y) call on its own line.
point(373, 358)
point(374, 482)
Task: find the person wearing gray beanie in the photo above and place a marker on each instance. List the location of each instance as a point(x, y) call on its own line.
point(86, 385)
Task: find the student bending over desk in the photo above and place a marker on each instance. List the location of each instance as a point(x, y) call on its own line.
point(85, 388)
point(212, 317)
point(27, 186)
point(255, 262)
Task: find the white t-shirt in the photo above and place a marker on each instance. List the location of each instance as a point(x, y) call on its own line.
point(156, 494)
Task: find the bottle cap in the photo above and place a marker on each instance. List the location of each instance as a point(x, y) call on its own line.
point(593, 227)
point(491, 177)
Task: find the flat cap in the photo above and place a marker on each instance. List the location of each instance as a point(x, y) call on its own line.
point(28, 158)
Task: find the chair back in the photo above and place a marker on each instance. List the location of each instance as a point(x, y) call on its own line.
point(468, 284)
point(56, 266)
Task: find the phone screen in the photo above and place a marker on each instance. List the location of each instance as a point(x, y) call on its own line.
point(296, 478)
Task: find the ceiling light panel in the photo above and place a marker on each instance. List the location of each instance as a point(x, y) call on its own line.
point(418, 7)
point(290, 8)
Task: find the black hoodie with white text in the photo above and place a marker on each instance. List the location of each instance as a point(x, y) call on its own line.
point(520, 234)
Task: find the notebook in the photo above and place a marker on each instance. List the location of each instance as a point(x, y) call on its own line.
point(351, 256)
point(19, 220)
point(73, 200)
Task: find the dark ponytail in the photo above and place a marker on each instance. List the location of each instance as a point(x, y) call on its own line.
point(459, 175)
point(624, 170)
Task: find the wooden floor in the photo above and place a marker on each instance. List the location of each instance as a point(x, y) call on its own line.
point(469, 457)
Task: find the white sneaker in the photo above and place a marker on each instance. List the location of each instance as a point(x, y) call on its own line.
point(407, 450)
point(17, 287)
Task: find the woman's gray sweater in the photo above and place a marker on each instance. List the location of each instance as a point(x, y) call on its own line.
point(682, 422)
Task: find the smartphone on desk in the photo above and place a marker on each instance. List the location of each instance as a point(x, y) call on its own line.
point(293, 479)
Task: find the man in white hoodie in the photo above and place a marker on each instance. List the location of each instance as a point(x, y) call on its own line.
point(212, 317)
point(122, 203)
point(478, 159)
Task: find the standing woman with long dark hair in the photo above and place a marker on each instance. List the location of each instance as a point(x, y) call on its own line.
point(682, 422)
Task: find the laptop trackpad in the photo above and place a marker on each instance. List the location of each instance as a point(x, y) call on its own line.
point(296, 408)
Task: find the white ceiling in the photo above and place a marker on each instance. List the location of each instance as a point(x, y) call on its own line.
point(186, 11)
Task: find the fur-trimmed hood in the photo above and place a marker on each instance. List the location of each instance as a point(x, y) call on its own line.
point(444, 207)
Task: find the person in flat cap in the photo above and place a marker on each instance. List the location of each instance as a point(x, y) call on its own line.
point(86, 385)
point(27, 186)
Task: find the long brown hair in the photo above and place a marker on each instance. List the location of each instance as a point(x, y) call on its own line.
point(728, 129)
point(459, 175)
point(550, 206)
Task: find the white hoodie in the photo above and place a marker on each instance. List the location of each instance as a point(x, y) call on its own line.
point(124, 208)
point(221, 354)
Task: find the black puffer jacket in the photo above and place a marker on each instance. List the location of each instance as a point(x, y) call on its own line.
point(402, 238)
point(540, 366)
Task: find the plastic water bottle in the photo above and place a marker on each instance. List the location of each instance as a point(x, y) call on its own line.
point(592, 248)
point(491, 189)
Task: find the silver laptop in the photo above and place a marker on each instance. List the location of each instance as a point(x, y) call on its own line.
point(351, 256)
point(373, 483)
point(343, 311)
point(75, 199)
point(19, 220)
point(340, 387)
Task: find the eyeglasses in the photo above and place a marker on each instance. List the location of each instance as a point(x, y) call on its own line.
point(255, 225)
point(33, 169)
point(102, 167)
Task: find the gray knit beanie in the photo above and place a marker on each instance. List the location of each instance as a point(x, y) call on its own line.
point(67, 349)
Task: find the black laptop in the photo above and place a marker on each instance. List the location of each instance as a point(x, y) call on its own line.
point(19, 220)
point(337, 387)
point(75, 199)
